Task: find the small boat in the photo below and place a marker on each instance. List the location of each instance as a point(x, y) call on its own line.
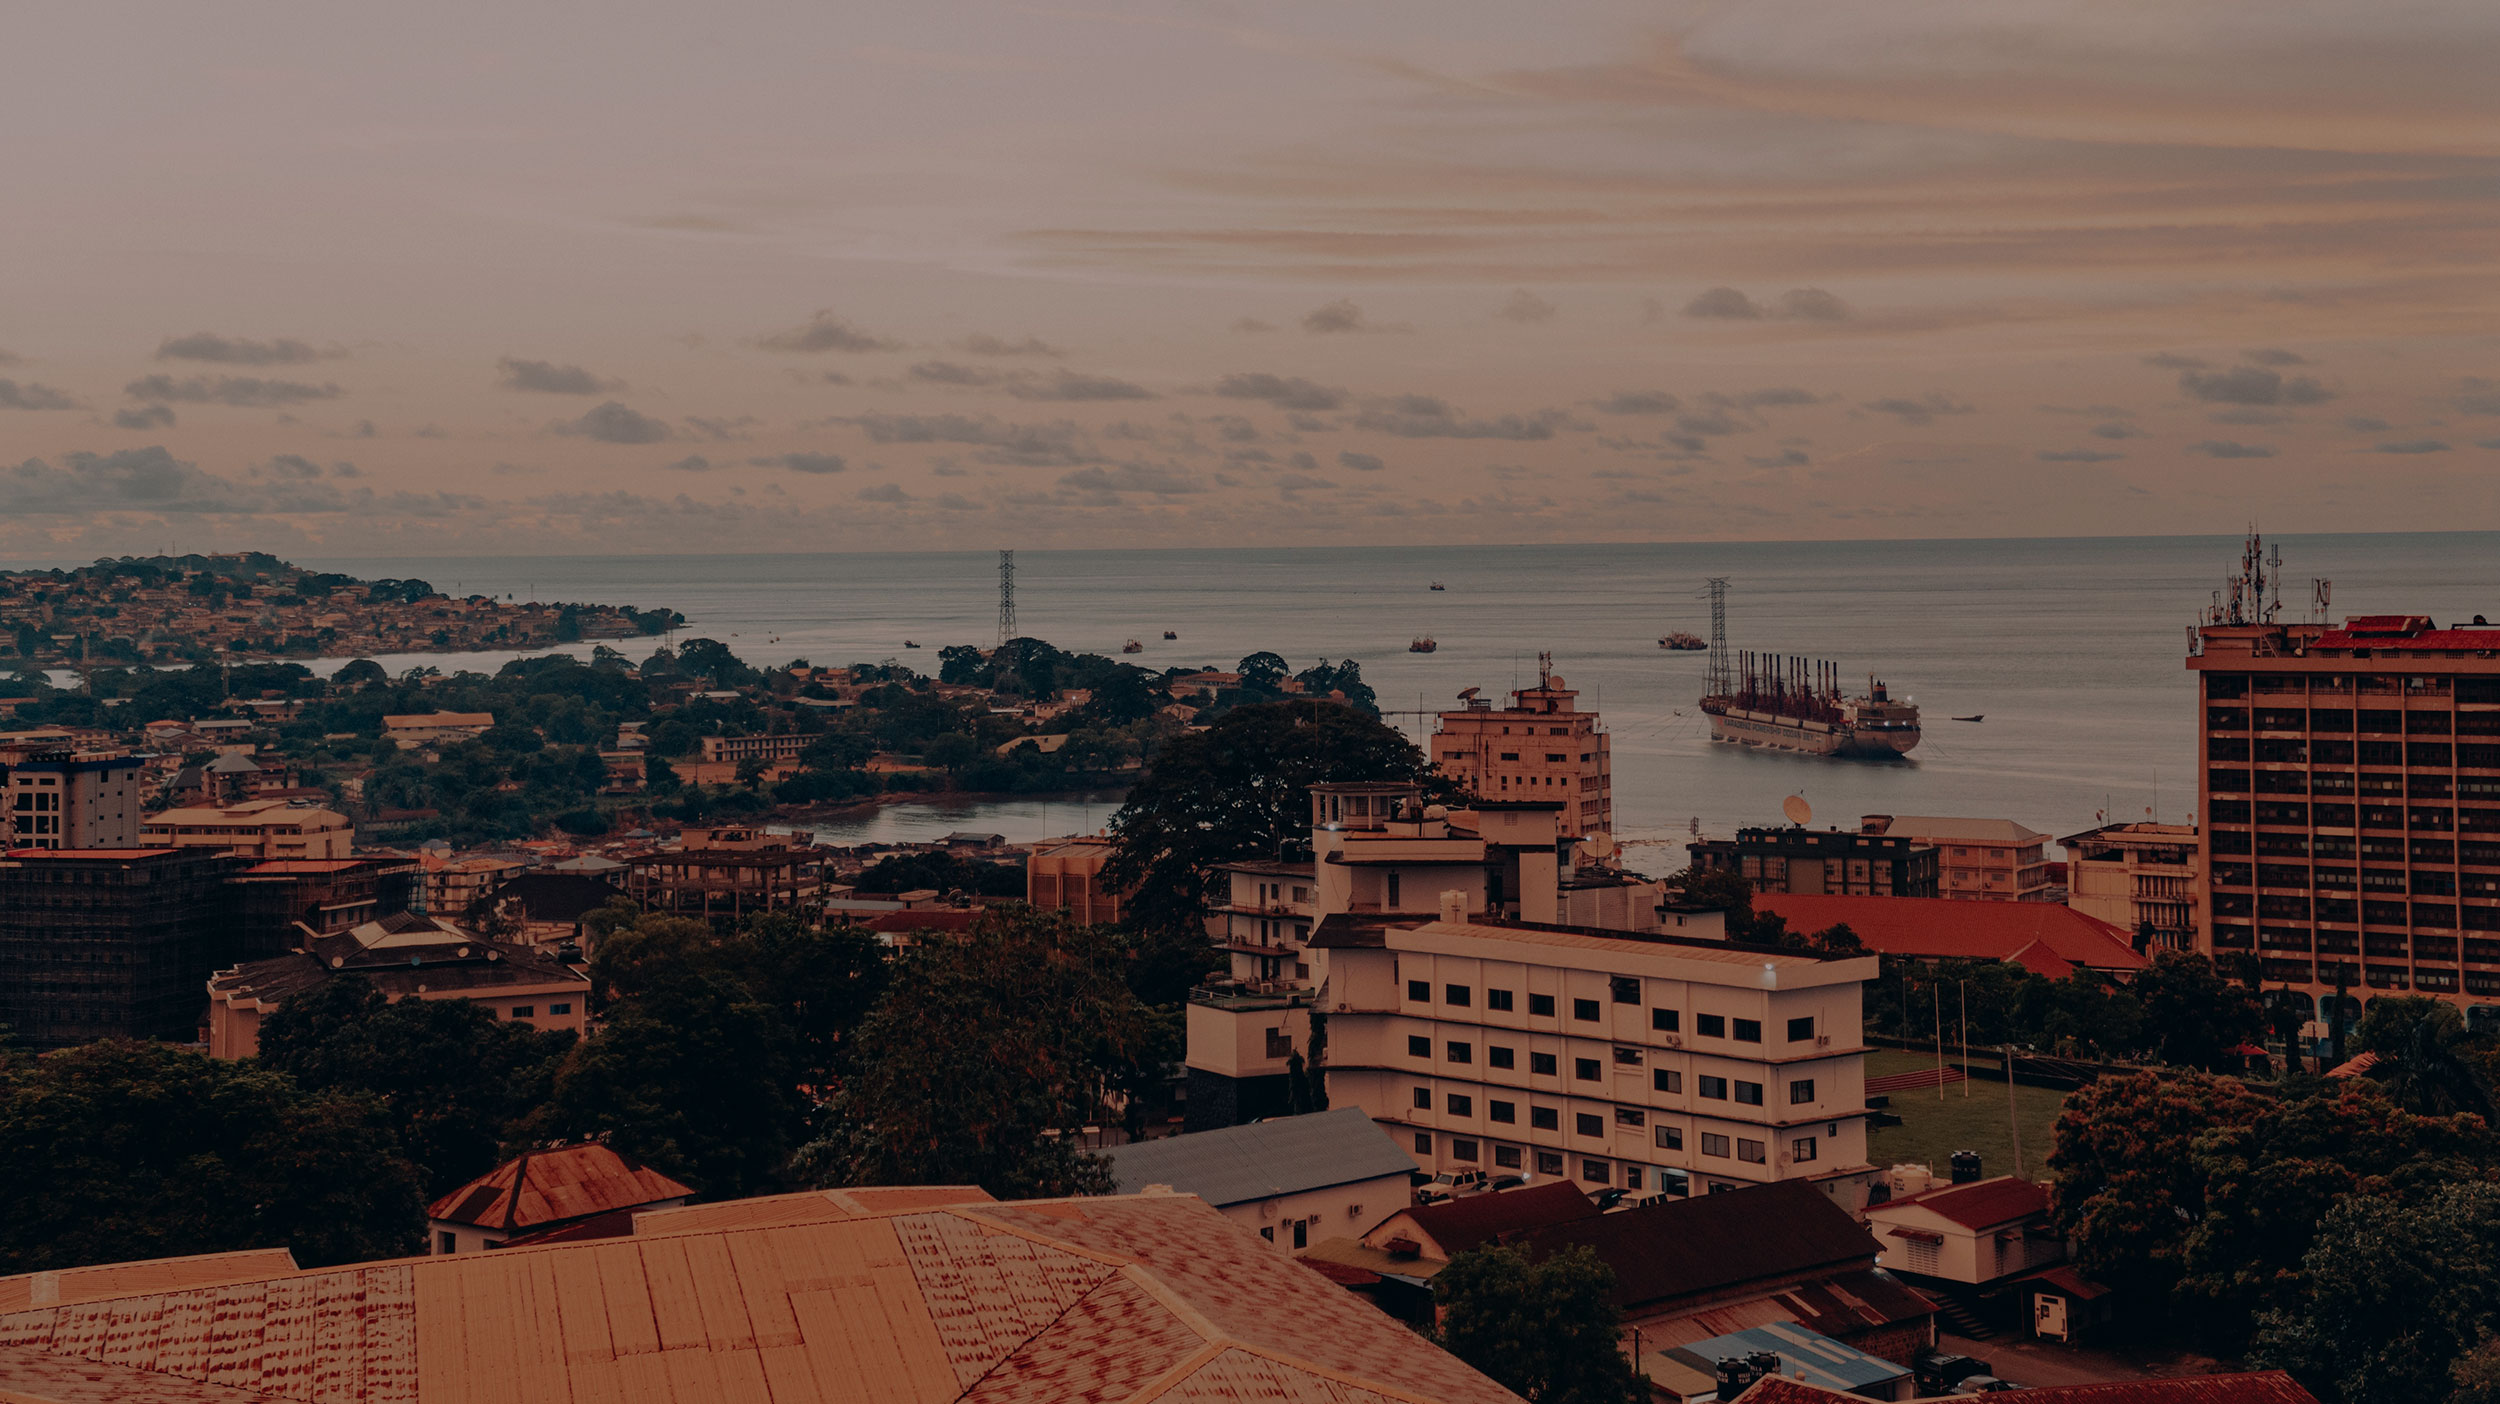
point(1132, 646)
point(1426, 644)
point(1681, 642)
point(1170, 634)
point(1437, 585)
point(907, 643)
point(1975, 716)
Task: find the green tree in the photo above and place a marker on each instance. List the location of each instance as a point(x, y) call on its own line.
point(121, 1150)
point(2476, 1374)
point(362, 672)
point(2398, 1295)
point(452, 1079)
point(984, 1058)
point(1545, 1329)
point(1241, 789)
point(2424, 1060)
point(2196, 1016)
point(1262, 673)
point(2127, 1188)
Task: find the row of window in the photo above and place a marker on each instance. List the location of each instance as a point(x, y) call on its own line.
point(530, 1011)
point(1707, 1085)
point(1623, 989)
point(1506, 1112)
point(1801, 1150)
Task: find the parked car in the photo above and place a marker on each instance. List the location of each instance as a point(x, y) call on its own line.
point(1609, 1197)
point(1507, 1182)
point(1940, 1374)
point(1450, 1184)
point(1983, 1384)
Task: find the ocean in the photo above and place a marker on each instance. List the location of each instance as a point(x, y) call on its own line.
point(2071, 649)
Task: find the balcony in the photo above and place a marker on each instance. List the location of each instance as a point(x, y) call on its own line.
point(1238, 996)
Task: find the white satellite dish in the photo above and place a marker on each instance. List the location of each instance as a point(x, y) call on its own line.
point(1599, 845)
point(1798, 811)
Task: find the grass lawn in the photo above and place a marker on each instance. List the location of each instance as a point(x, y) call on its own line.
point(1931, 1130)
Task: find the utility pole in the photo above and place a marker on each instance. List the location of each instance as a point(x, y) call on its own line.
point(2013, 1110)
point(1006, 597)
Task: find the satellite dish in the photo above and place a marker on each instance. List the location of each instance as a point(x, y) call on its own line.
point(1798, 811)
point(1599, 845)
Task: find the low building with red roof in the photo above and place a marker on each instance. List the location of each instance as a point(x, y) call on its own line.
point(2044, 938)
point(543, 1193)
point(1975, 1234)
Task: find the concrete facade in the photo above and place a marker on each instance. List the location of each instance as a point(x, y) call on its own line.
point(2138, 876)
point(1541, 747)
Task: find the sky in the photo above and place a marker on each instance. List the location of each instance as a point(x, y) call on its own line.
point(478, 278)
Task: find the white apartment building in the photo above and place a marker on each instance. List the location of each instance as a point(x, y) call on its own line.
point(65, 799)
point(1645, 1062)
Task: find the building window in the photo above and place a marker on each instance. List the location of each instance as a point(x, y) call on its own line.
point(1800, 1030)
point(1501, 1057)
point(1666, 1020)
point(1504, 1112)
point(1750, 1152)
point(1596, 1172)
point(555, 1009)
point(1545, 1118)
point(1457, 996)
point(1302, 1227)
point(1423, 1143)
point(1589, 1124)
point(524, 1011)
point(1749, 1093)
point(1585, 1069)
point(1749, 1031)
point(1540, 1006)
point(1549, 1162)
point(1668, 1137)
point(1922, 1254)
point(1801, 1092)
point(1460, 1104)
point(1801, 1149)
point(1711, 1144)
point(1460, 1149)
point(1625, 989)
point(1393, 891)
point(1418, 1046)
point(1710, 1025)
point(1632, 1177)
point(1423, 1099)
point(1462, 1052)
point(1666, 1080)
point(1506, 1157)
point(1541, 1065)
point(1419, 991)
point(1627, 1057)
point(1498, 1000)
point(446, 1243)
point(1279, 1044)
point(1713, 1088)
point(1584, 1010)
point(1631, 1116)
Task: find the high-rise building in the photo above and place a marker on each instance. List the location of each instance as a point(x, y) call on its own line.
point(110, 942)
point(1541, 747)
point(2138, 876)
point(2350, 791)
point(71, 799)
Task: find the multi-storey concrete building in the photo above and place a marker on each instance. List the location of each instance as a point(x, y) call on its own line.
point(1066, 875)
point(1822, 861)
point(785, 746)
point(1541, 747)
point(2350, 792)
point(262, 829)
point(110, 942)
point(1977, 860)
point(71, 799)
point(2138, 876)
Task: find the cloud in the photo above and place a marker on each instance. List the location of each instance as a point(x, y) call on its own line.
point(1726, 304)
point(2271, 356)
point(2478, 395)
point(1785, 458)
point(982, 345)
point(1425, 417)
point(1252, 326)
point(2116, 429)
point(1284, 392)
point(144, 417)
point(722, 429)
point(2245, 415)
point(884, 492)
point(1525, 306)
point(548, 378)
point(1133, 477)
point(1360, 462)
point(241, 391)
point(691, 463)
point(1812, 305)
point(239, 351)
point(1717, 421)
point(9, 358)
point(2367, 424)
point(1031, 444)
point(827, 332)
point(2172, 360)
point(1070, 385)
point(153, 481)
point(1338, 316)
point(953, 373)
point(1776, 395)
point(1922, 410)
point(2251, 385)
point(817, 464)
point(2412, 446)
point(31, 396)
point(2076, 455)
point(2226, 448)
point(1638, 402)
point(613, 423)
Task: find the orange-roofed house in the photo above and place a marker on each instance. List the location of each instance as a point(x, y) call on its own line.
point(2045, 938)
point(545, 1193)
point(870, 1296)
point(1974, 1235)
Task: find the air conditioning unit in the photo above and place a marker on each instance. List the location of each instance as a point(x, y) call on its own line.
point(1822, 1040)
point(1673, 1040)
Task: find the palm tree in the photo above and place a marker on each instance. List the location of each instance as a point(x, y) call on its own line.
point(2423, 1064)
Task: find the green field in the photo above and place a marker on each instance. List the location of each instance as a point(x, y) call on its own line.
point(1931, 1130)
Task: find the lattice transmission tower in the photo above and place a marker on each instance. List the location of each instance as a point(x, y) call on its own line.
point(1006, 597)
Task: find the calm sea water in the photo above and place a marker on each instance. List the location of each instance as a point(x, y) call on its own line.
point(2071, 649)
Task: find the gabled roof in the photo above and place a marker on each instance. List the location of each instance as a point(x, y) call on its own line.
point(1685, 1247)
point(1938, 829)
point(2048, 938)
point(1984, 1204)
point(1155, 1297)
point(553, 1186)
point(1287, 1155)
point(1460, 1224)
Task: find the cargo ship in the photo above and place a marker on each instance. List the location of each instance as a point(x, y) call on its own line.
point(1797, 704)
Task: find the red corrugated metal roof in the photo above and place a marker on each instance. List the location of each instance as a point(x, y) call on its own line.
point(1982, 1205)
point(2047, 937)
point(571, 1182)
point(2472, 640)
point(2249, 1387)
point(1460, 1224)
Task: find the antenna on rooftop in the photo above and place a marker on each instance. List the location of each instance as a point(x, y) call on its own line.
point(2321, 598)
point(1006, 597)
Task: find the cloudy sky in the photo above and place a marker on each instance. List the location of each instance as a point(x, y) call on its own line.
point(472, 277)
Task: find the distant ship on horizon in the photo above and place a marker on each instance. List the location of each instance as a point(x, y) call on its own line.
point(1786, 703)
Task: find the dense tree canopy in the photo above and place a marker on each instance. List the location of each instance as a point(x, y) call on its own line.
point(2128, 1190)
point(2399, 1294)
point(1546, 1329)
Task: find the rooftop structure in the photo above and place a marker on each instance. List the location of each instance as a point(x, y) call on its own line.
point(1977, 860)
point(866, 1295)
point(1803, 1355)
point(727, 872)
point(2042, 937)
point(1798, 859)
point(262, 829)
point(110, 942)
point(70, 799)
point(544, 1191)
point(403, 955)
point(2138, 877)
point(1540, 747)
point(411, 731)
point(1291, 1180)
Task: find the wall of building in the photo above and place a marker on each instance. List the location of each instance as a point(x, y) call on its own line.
point(1338, 1211)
